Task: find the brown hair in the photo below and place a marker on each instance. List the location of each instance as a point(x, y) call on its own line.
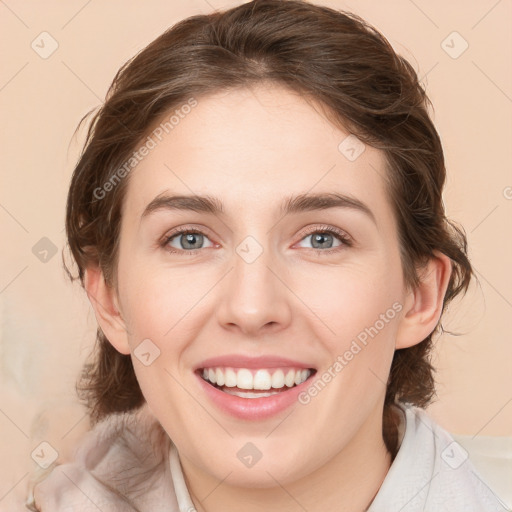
point(332, 57)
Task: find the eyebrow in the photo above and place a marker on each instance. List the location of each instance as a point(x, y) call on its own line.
point(293, 204)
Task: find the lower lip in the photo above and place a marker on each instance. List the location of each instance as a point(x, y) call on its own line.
point(253, 408)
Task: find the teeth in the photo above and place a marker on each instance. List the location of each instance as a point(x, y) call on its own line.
point(248, 394)
point(262, 379)
point(229, 378)
point(244, 379)
point(290, 378)
point(278, 379)
point(219, 377)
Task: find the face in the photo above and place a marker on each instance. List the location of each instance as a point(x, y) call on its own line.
point(263, 292)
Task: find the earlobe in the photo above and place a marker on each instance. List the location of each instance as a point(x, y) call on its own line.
point(424, 304)
point(106, 309)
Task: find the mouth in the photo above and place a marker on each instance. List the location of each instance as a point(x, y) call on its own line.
point(254, 383)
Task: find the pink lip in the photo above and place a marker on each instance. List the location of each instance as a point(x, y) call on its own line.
point(238, 361)
point(252, 408)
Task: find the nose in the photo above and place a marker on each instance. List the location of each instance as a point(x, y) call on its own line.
point(254, 298)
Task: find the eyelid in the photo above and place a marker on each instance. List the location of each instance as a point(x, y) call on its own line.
point(343, 236)
point(325, 228)
point(180, 230)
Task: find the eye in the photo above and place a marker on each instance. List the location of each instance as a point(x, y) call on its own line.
point(189, 241)
point(323, 238)
point(185, 240)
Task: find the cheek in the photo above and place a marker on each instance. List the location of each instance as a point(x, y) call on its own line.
point(157, 301)
point(349, 303)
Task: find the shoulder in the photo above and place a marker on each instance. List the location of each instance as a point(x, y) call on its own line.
point(122, 462)
point(432, 472)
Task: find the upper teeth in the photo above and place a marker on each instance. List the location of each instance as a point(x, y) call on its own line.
point(244, 378)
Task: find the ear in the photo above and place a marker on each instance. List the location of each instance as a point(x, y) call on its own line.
point(104, 301)
point(423, 305)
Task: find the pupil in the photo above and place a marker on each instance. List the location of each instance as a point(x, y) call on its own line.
point(190, 238)
point(320, 238)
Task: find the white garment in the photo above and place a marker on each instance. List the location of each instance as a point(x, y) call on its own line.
point(431, 473)
point(127, 463)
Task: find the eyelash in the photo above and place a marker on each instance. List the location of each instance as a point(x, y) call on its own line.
point(342, 237)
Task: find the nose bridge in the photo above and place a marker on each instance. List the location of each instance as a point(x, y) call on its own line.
point(254, 297)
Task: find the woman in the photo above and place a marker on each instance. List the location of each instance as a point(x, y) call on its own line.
point(257, 220)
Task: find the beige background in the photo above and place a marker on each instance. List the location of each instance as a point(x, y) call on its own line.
point(47, 327)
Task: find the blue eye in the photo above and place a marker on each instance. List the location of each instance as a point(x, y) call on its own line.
point(325, 238)
point(190, 241)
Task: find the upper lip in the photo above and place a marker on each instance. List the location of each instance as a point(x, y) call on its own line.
point(240, 361)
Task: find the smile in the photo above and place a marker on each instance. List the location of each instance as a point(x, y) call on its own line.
point(253, 389)
point(243, 382)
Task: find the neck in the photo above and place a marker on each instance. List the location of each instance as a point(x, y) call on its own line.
point(349, 481)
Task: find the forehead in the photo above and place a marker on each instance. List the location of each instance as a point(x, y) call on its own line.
point(255, 147)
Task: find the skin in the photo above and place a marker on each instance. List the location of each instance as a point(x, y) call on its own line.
point(251, 148)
